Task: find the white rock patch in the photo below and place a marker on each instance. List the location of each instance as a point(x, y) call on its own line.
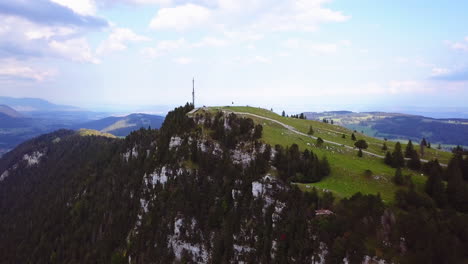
point(175, 142)
point(159, 177)
point(178, 245)
point(239, 157)
point(4, 175)
point(130, 153)
point(33, 159)
point(257, 189)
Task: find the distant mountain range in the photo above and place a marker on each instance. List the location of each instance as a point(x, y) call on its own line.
point(24, 118)
point(34, 105)
point(446, 131)
point(8, 111)
point(122, 126)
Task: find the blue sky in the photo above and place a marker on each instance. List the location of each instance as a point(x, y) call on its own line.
point(297, 55)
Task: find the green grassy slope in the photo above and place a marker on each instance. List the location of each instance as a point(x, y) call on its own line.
point(347, 175)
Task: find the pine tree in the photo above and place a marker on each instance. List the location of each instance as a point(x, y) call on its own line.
point(414, 163)
point(456, 187)
point(424, 142)
point(319, 142)
point(409, 149)
point(353, 137)
point(388, 159)
point(397, 156)
point(384, 147)
point(434, 186)
point(343, 136)
point(398, 178)
point(311, 131)
point(283, 114)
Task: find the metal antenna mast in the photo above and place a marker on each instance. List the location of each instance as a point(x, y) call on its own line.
point(193, 92)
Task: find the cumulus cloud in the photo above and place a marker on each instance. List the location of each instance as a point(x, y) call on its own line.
point(211, 42)
point(183, 60)
point(181, 17)
point(298, 15)
point(314, 48)
point(118, 40)
point(259, 16)
point(49, 13)
point(14, 70)
point(323, 48)
point(22, 39)
point(450, 75)
point(82, 7)
point(164, 47)
point(461, 45)
point(74, 49)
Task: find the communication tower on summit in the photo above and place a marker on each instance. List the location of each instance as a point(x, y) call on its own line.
point(193, 92)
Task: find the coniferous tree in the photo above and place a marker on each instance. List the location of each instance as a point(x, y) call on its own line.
point(397, 156)
point(409, 149)
point(388, 159)
point(283, 114)
point(311, 131)
point(456, 187)
point(319, 142)
point(434, 186)
point(424, 142)
point(343, 136)
point(414, 163)
point(353, 137)
point(384, 146)
point(398, 178)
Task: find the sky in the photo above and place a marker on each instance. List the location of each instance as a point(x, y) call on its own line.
point(298, 55)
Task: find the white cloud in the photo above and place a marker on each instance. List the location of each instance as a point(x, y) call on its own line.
point(181, 17)
point(461, 45)
point(261, 59)
point(75, 49)
point(211, 42)
point(28, 40)
point(440, 72)
point(48, 32)
point(164, 47)
point(298, 15)
point(82, 7)
point(323, 48)
point(183, 60)
point(118, 39)
point(12, 69)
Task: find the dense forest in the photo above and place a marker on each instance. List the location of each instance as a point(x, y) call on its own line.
point(206, 189)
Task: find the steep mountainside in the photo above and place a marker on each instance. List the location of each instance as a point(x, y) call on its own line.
point(8, 111)
point(208, 188)
point(122, 126)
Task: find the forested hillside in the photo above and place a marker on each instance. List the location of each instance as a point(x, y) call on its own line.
point(208, 188)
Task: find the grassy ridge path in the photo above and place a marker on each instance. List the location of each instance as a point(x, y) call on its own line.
point(294, 130)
